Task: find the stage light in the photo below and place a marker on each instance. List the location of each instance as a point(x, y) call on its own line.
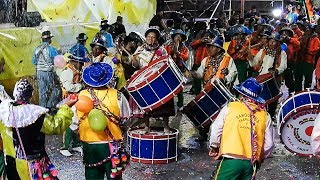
point(277, 12)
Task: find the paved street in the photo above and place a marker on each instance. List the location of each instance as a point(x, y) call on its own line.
point(193, 162)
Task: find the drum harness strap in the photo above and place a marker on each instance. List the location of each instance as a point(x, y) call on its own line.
point(254, 158)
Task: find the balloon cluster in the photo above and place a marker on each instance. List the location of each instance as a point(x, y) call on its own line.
point(120, 160)
point(44, 174)
point(96, 118)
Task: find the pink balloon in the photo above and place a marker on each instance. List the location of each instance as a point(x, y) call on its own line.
point(59, 61)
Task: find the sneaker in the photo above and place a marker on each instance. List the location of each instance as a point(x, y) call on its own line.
point(78, 149)
point(65, 152)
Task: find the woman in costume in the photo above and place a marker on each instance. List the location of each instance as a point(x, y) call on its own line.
point(23, 127)
point(145, 54)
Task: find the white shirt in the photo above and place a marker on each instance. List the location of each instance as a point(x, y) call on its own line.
point(268, 62)
point(217, 126)
point(230, 77)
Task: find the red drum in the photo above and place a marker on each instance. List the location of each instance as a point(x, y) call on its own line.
point(207, 104)
point(271, 90)
point(295, 120)
point(156, 83)
point(153, 147)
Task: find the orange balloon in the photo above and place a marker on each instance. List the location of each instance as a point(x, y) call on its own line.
point(84, 104)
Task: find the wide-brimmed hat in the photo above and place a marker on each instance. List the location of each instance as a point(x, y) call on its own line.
point(82, 37)
point(217, 42)
point(154, 29)
point(252, 89)
point(275, 36)
point(240, 29)
point(98, 74)
point(104, 23)
point(287, 29)
point(99, 42)
point(179, 31)
point(46, 35)
point(265, 33)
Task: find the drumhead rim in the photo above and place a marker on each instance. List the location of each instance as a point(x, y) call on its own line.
point(291, 97)
point(134, 76)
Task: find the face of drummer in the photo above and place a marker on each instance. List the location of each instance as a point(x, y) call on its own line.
point(151, 38)
point(264, 40)
point(177, 38)
point(273, 44)
point(213, 50)
point(96, 51)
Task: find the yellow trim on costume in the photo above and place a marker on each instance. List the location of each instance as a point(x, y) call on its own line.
point(219, 167)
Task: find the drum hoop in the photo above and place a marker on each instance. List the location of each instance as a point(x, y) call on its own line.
point(134, 76)
point(150, 136)
point(268, 76)
point(285, 102)
point(154, 161)
point(147, 81)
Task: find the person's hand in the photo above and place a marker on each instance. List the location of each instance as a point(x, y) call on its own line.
point(214, 152)
point(274, 72)
point(225, 71)
point(71, 100)
point(205, 39)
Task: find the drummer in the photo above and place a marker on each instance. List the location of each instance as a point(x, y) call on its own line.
point(217, 64)
point(270, 59)
point(179, 53)
point(148, 52)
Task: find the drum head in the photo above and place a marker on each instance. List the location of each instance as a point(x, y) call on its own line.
point(296, 131)
point(147, 74)
point(295, 121)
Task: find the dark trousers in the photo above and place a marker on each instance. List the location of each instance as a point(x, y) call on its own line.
point(289, 75)
point(305, 70)
point(242, 68)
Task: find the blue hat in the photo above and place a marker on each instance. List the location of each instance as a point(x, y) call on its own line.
point(179, 31)
point(217, 42)
point(275, 36)
point(79, 54)
point(252, 89)
point(99, 42)
point(240, 29)
point(265, 33)
point(97, 74)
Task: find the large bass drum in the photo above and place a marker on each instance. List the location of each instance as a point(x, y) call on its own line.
point(295, 121)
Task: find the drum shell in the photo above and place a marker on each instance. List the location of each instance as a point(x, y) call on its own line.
point(159, 87)
point(207, 104)
point(153, 148)
point(271, 90)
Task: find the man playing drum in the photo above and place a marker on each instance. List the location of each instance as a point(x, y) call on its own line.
point(145, 54)
point(179, 53)
point(270, 59)
point(242, 134)
point(217, 64)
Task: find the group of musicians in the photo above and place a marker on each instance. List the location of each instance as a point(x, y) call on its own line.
point(286, 52)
